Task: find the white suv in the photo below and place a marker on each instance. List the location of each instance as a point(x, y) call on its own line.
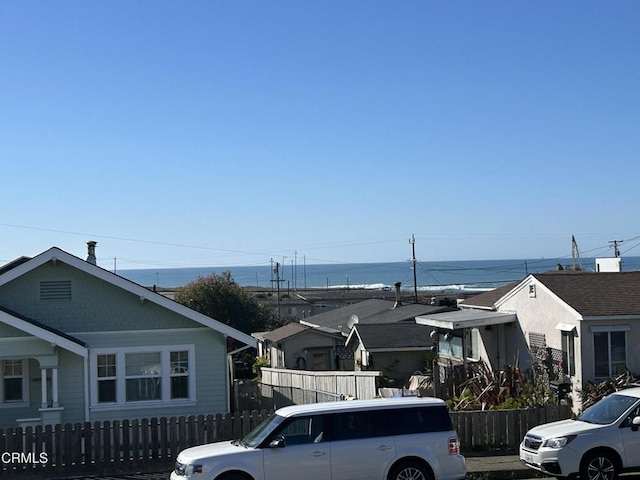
point(407, 438)
point(599, 444)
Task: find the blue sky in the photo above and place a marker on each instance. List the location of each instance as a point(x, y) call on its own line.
point(227, 133)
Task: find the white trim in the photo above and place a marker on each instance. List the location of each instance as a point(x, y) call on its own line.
point(43, 334)
point(566, 327)
point(121, 377)
point(159, 331)
point(25, 383)
point(85, 366)
point(57, 255)
point(610, 328)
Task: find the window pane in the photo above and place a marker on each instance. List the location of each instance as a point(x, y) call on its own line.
point(179, 363)
point(147, 363)
point(451, 347)
point(618, 353)
point(13, 389)
point(106, 391)
point(140, 389)
point(303, 430)
point(601, 353)
point(568, 353)
point(180, 387)
point(354, 425)
point(12, 368)
point(107, 365)
point(421, 420)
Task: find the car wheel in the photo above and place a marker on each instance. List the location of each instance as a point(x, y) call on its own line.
point(410, 471)
point(234, 476)
point(599, 466)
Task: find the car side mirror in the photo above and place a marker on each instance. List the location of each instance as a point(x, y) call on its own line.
point(635, 424)
point(279, 442)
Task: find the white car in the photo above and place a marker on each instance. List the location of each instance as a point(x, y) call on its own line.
point(407, 438)
point(597, 445)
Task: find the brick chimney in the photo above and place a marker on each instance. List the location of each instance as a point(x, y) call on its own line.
point(91, 252)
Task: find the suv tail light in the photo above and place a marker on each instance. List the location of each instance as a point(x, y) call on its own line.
point(454, 446)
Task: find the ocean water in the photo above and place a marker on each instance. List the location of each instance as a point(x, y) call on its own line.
point(451, 276)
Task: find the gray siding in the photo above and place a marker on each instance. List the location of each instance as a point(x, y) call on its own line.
point(105, 316)
point(94, 304)
point(71, 384)
point(210, 374)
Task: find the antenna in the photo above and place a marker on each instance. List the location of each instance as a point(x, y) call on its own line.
point(576, 263)
point(412, 241)
point(353, 319)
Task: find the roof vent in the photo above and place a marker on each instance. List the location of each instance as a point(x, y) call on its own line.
point(91, 252)
point(398, 299)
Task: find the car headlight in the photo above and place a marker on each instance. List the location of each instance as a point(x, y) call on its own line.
point(559, 442)
point(191, 469)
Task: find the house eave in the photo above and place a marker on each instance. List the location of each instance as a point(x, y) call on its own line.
point(468, 318)
point(57, 255)
point(42, 333)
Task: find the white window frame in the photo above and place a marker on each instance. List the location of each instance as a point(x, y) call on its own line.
point(609, 329)
point(25, 383)
point(121, 377)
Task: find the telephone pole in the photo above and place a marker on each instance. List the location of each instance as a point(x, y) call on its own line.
point(615, 244)
point(276, 270)
point(412, 241)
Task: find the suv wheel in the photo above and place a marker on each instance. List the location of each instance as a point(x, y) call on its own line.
point(599, 466)
point(410, 471)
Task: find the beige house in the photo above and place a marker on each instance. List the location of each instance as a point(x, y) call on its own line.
point(300, 347)
point(580, 326)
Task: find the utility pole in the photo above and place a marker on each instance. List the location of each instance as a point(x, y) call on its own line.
point(412, 241)
point(295, 272)
point(276, 270)
point(616, 250)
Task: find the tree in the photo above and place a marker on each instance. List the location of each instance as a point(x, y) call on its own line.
point(221, 298)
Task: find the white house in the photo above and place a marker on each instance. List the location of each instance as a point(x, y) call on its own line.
point(584, 326)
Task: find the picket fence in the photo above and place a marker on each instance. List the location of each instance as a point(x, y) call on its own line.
point(153, 444)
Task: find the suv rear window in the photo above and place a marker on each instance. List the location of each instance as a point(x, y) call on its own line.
point(422, 420)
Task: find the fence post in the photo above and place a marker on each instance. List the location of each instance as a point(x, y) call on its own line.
point(144, 438)
point(173, 437)
point(165, 454)
point(106, 444)
point(117, 455)
point(127, 459)
point(191, 431)
point(210, 429)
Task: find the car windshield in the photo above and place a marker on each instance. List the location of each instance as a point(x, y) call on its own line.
point(256, 436)
point(608, 410)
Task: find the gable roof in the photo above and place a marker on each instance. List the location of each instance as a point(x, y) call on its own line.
point(488, 300)
point(596, 293)
point(370, 311)
point(54, 254)
point(392, 336)
point(279, 334)
point(290, 330)
point(18, 261)
point(591, 294)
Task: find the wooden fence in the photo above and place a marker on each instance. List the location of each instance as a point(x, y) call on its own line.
point(363, 385)
point(152, 445)
point(114, 447)
point(502, 429)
